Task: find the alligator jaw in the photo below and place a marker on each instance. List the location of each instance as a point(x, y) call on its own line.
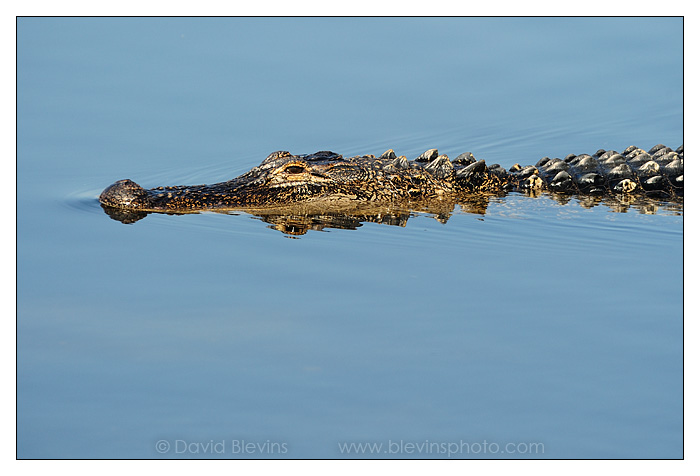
point(241, 192)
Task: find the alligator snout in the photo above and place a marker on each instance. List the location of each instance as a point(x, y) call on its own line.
point(124, 194)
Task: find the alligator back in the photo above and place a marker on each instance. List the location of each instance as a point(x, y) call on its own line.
point(656, 173)
point(326, 179)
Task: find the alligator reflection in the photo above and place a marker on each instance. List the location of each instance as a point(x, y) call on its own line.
point(298, 219)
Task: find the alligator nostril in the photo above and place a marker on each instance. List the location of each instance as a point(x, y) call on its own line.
point(124, 194)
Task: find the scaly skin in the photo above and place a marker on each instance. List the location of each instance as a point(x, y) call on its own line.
point(327, 179)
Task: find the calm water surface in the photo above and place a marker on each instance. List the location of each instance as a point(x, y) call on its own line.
point(555, 329)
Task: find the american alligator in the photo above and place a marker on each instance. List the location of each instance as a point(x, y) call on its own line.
point(328, 181)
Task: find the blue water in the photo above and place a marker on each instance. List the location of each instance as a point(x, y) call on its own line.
point(213, 335)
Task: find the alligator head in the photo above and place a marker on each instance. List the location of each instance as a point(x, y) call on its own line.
point(282, 178)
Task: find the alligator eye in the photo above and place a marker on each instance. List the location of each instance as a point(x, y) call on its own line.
point(294, 169)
